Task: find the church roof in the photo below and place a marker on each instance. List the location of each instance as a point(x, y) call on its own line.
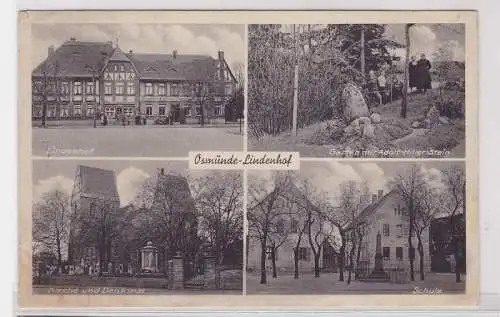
point(174, 190)
point(98, 182)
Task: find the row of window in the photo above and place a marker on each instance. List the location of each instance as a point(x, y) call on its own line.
point(400, 230)
point(304, 253)
point(64, 112)
point(386, 253)
point(187, 110)
point(63, 88)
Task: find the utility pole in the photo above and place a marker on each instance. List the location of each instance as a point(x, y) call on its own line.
point(404, 99)
point(362, 50)
point(295, 85)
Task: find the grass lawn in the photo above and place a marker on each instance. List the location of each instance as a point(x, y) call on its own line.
point(394, 133)
point(328, 283)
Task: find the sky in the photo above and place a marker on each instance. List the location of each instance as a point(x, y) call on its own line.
point(146, 38)
point(427, 38)
point(130, 175)
point(326, 176)
point(424, 38)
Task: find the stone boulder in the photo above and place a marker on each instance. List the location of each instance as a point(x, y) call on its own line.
point(416, 125)
point(354, 104)
point(376, 118)
point(364, 120)
point(368, 131)
point(353, 129)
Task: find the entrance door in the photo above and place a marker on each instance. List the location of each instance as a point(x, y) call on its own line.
point(176, 113)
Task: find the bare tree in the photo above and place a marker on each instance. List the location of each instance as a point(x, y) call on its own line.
point(265, 209)
point(219, 202)
point(409, 187)
point(277, 236)
point(353, 198)
point(46, 88)
point(428, 206)
point(455, 205)
point(51, 221)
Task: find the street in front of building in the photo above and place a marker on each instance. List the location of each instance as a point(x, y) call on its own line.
point(119, 141)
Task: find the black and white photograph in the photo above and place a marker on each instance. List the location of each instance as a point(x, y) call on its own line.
point(135, 227)
point(357, 228)
point(357, 90)
point(131, 90)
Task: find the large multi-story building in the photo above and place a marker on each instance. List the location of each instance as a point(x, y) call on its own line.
point(79, 80)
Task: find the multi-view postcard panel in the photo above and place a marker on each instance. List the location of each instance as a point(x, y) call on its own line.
point(135, 227)
point(374, 114)
point(94, 85)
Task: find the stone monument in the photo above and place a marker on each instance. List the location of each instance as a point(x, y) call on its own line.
point(149, 258)
point(378, 272)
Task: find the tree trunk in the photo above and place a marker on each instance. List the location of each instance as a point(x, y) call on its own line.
point(342, 258)
point(296, 262)
point(411, 250)
point(404, 100)
point(59, 255)
point(273, 259)
point(351, 263)
point(358, 256)
point(263, 278)
point(316, 263)
point(421, 254)
point(457, 261)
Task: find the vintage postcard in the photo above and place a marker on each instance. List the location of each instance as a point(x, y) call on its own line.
point(248, 160)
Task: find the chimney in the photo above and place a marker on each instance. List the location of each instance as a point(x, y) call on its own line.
point(130, 51)
point(380, 193)
point(221, 55)
point(72, 39)
point(51, 50)
point(162, 171)
point(174, 53)
point(374, 198)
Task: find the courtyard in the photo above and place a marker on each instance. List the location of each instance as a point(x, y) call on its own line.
point(328, 283)
point(134, 141)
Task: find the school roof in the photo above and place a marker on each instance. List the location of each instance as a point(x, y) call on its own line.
point(78, 59)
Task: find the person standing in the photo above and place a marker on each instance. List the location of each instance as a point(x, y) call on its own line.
point(382, 86)
point(412, 66)
point(422, 74)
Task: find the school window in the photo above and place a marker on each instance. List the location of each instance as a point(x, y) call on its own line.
point(107, 88)
point(130, 89)
point(149, 89)
point(399, 253)
point(198, 111)
point(399, 230)
point(161, 90)
point(149, 110)
point(64, 112)
point(304, 254)
point(280, 226)
point(174, 90)
point(386, 253)
point(89, 88)
point(386, 230)
point(122, 68)
point(77, 88)
point(294, 226)
point(119, 88)
point(229, 89)
point(161, 110)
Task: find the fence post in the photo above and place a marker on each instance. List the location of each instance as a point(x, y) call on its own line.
point(209, 272)
point(178, 272)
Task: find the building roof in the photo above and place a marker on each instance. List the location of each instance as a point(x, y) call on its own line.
point(370, 211)
point(180, 67)
point(75, 59)
point(98, 182)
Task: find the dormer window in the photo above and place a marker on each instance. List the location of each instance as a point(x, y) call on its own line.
point(172, 69)
point(151, 69)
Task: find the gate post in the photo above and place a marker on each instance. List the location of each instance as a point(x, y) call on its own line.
point(209, 268)
point(178, 272)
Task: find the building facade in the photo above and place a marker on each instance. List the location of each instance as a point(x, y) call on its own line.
point(387, 215)
point(80, 80)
